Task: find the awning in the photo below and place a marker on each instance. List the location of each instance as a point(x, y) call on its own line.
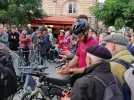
point(55, 20)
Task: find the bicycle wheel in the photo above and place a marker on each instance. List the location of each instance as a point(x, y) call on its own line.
point(26, 96)
point(32, 57)
point(39, 96)
point(21, 62)
point(10, 97)
point(18, 95)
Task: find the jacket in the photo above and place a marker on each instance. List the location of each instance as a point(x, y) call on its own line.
point(89, 88)
point(13, 41)
point(81, 50)
point(8, 83)
point(4, 38)
point(45, 40)
point(118, 69)
point(25, 41)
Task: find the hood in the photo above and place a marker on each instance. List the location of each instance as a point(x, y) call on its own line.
point(101, 67)
point(124, 55)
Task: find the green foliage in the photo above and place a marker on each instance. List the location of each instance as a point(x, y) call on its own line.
point(119, 22)
point(3, 15)
point(116, 13)
point(20, 11)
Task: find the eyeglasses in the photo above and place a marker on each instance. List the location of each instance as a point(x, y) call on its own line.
point(103, 44)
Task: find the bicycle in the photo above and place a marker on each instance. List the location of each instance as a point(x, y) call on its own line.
point(23, 83)
point(47, 88)
point(36, 57)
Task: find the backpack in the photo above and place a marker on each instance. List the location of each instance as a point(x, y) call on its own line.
point(129, 78)
point(112, 91)
point(126, 88)
point(131, 48)
point(8, 78)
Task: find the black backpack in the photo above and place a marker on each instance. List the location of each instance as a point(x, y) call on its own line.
point(8, 78)
point(112, 91)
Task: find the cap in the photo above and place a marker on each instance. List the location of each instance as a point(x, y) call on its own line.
point(117, 39)
point(100, 51)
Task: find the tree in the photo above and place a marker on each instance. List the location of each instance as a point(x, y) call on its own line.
point(129, 14)
point(20, 11)
point(119, 22)
point(116, 13)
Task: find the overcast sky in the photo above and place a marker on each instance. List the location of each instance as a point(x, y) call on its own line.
point(101, 1)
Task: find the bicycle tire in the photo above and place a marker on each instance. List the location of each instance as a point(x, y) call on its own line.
point(26, 96)
point(10, 97)
point(35, 96)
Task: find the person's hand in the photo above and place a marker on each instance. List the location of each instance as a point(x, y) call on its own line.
point(14, 37)
point(65, 98)
point(64, 70)
point(60, 42)
point(66, 52)
point(63, 56)
point(56, 45)
point(76, 70)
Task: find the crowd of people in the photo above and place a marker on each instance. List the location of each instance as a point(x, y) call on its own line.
point(42, 38)
point(101, 67)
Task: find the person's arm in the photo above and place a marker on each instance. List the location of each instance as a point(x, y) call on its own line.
point(17, 37)
point(65, 98)
point(65, 69)
point(81, 70)
point(22, 38)
point(76, 70)
point(9, 37)
point(73, 62)
point(5, 38)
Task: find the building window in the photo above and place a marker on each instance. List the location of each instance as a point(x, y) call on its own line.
point(71, 7)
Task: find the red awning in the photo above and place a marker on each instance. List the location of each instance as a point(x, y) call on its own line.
point(55, 20)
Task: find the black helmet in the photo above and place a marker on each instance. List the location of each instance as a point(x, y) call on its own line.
point(81, 25)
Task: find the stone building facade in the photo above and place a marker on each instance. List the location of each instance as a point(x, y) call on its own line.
point(69, 8)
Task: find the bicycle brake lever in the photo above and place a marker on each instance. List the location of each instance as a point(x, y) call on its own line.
point(60, 66)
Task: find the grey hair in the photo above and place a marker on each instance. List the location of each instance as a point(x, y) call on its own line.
point(121, 47)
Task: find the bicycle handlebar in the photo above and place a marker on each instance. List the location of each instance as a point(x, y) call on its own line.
point(40, 69)
point(38, 74)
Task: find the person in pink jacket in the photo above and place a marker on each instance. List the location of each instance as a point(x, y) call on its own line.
point(25, 40)
point(25, 44)
point(79, 63)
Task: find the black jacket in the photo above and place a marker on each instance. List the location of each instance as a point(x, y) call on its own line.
point(8, 82)
point(89, 88)
point(13, 41)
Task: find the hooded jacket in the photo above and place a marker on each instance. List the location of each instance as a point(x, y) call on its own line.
point(118, 69)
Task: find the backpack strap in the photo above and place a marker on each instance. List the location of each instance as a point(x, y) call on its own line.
point(106, 84)
point(97, 78)
point(100, 81)
point(124, 63)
